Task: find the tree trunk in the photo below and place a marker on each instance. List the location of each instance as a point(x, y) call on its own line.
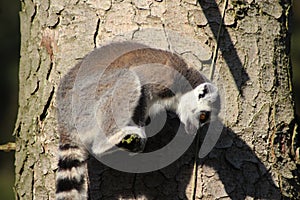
point(255, 157)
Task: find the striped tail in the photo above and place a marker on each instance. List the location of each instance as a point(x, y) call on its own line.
point(71, 177)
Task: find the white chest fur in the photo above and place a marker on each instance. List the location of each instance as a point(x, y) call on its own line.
point(157, 105)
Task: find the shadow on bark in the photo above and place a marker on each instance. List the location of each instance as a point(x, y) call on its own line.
point(230, 55)
point(236, 170)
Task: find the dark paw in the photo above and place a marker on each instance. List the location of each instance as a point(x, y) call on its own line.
point(132, 143)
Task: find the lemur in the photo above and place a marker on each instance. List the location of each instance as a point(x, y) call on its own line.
point(134, 80)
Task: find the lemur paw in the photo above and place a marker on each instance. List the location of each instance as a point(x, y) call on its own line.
point(132, 142)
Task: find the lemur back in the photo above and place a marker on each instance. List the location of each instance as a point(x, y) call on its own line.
point(130, 72)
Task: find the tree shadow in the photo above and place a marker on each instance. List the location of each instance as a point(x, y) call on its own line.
point(229, 53)
point(230, 170)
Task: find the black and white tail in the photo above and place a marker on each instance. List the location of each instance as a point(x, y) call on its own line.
point(71, 177)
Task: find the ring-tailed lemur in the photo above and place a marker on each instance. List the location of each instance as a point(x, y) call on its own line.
point(133, 76)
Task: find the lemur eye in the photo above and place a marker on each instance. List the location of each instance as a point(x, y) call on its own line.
point(204, 116)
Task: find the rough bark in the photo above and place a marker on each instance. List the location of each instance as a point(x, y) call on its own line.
point(254, 158)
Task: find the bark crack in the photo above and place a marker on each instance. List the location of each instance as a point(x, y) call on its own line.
point(135, 31)
point(96, 32)
point(33, 14)
point(49, 71)
point(166, 35)
point(32, 181)
point(44, 113)
point(133, 186)
point(36, 88)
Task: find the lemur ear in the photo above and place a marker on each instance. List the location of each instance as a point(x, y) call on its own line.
point(205, 89)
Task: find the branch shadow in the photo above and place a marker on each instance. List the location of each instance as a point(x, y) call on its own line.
point(230, 170)
point(229, 53)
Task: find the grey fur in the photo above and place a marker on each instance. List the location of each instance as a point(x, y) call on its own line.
point(108, 95)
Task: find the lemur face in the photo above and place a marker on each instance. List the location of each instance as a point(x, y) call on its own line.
point(199, 107)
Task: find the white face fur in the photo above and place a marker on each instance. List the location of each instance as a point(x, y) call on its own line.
point(198, 107)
